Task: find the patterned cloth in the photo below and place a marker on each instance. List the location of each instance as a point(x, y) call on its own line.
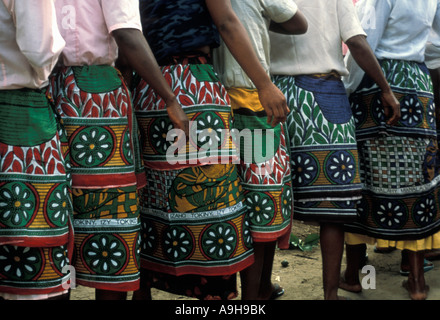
point(399, 164)
point(193, 213)
point(208, 108)
point(96, 112)
point(35, 197)
point(264, 168)
point(175, 26)
point(34, 270)
point(107, 238)
point(324, 157)
point(102, 149)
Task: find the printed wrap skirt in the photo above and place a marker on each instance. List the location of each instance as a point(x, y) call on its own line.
point(194, 219)
point(323, 151)
point(264, 168)
point(35, 198)
point(102, 150)
point(399, 164)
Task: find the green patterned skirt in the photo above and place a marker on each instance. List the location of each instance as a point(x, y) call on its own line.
point(35, 198)
point(399, 164)
point(195, 228)
point(102, 149)
point(323, 151)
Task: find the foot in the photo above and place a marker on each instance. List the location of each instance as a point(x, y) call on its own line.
point(427, 265)
point(415, 289)
point(276, 292)
point(351, 286)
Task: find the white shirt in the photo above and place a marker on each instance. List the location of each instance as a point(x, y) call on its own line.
point(319, 50)
point(432, 51)
point(30, 43)
point(86, 25)
point(396, 29)
point(255, 16)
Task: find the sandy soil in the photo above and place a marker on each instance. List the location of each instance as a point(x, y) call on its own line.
point(302, 278)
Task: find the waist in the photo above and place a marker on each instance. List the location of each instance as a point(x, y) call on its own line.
point(328, 76)
point(186, 58)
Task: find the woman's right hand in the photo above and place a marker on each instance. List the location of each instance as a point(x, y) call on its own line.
point(178, 118)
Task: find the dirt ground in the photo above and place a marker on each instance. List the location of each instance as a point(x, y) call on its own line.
point(302, 278)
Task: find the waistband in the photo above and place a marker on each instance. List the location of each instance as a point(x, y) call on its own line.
point(186, 58)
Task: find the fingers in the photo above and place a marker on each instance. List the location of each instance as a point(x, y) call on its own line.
point(391, 108)
point(276, 112)
point(275, 115)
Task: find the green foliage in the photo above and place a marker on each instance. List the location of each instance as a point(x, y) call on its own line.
point(309, 243)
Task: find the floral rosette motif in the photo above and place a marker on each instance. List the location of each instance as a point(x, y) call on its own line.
point(20, 263)
point(412, 111)
point(59, 205)
point(286, 202)
point(304, 168)
point(18, 203)
point(92, 146)
point(247, 234)
point(59, 258)
point(126, 147)
point(105, 254)
point(149, 238)
point(340, 167)
point(390, 214)
point(209, 133)
point(424, 210)
point(219, 241)
point(159, 129)
point(177, 243)
point(261, 208)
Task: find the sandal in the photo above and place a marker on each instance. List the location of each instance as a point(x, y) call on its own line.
point(427, 266)
point(277, 292)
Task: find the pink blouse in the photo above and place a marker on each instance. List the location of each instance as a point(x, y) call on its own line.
point(86, 26)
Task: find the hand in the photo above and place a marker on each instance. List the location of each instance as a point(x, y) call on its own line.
point(391, 107)
point(178, 118)
point(274, 103)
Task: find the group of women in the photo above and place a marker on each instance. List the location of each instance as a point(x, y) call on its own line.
point(348, 142)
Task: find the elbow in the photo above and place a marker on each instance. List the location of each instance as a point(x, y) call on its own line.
point(356, 43)
point(227, 25)
point(125, 38)
point(297, 25)
point(302, 28)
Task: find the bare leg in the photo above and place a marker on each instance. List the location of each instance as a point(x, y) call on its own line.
point(144, 291)
point(415, 284)
point(332, 247)
point(355, 254)
point(251, 276)
point(266, 285)
point(256, 281)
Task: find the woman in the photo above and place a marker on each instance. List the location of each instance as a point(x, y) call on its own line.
point(399, 166)
point(266, 179)
point(102, 146)
point(35, 201)
point(195, 227)
point(308, 69)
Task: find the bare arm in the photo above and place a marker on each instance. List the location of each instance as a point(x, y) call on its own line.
point(237, 40)
point(137, 54)
point(365, 58)
point(296, 25)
